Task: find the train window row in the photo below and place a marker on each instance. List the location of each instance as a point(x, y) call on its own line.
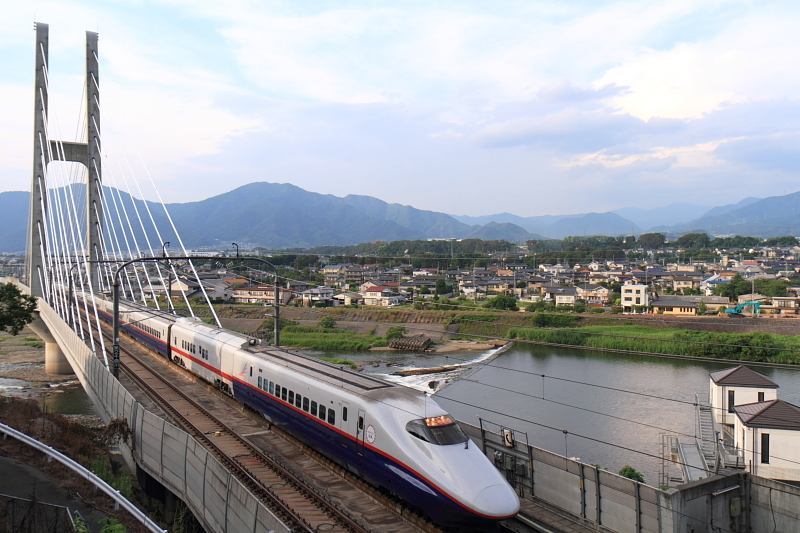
point(152, 331)
point(304, 403)
point(193, 348)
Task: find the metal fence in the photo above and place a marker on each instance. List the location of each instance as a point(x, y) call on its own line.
point(166, 452)
point(20, 515)
point(589, 494)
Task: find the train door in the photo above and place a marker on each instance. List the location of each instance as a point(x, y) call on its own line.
point(362, 415)
point(345, 424)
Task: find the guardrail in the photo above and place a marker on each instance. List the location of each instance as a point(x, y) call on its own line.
point(169, 454)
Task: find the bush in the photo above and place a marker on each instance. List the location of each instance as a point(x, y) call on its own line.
point(502, 301)
point(631, 473)
point(395, 332)
point(326, 322)
point(541, 320)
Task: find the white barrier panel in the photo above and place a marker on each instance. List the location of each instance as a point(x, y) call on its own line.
point(164, 451)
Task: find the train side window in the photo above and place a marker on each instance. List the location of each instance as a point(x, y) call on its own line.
point(278, 391)
point(251, 371)
point(305, 404)
point(291, 397)
point(344, 414)
point(360, 422)
point(313, 408)
point(271, 388)
point(331, 417)
point(283, 394)
point(322, 412)
point(298, 401)
point(259, 382)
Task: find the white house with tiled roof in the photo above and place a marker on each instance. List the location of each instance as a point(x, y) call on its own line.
point(768, 436)
point(736, 386)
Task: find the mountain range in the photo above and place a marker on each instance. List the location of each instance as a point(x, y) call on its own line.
point(276, 215)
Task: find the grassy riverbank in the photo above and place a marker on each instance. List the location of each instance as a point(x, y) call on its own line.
point(754, 346)
point(329, 339)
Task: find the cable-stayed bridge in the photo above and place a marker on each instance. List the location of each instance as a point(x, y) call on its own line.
point(91, 237)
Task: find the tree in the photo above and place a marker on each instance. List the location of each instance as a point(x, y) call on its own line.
point(326, 322)
point(441, 286)
point(631, 473)
point(788, 240)
point(695, 241)
point(424, 290)
point(502, 301)
point(16, 309)
point(701, 308)
point(651, 241)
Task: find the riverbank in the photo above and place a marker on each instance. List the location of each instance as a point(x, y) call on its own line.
point(754, 346)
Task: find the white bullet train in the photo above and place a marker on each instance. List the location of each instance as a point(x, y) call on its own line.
point(390, 435)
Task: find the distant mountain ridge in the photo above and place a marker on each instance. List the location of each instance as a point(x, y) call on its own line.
point(282, 215)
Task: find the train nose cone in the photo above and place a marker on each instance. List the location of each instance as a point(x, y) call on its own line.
point(497, 501)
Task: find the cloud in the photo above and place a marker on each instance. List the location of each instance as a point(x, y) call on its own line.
point(774, 152)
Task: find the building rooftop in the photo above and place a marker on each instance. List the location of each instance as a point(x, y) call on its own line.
point(776, 414)
point(743, 377)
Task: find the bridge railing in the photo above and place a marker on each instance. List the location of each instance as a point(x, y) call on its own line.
point(588, 494)
point(163, 450)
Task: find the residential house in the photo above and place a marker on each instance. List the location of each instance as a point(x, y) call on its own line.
point(349, 298)
point(768, 435)
point(319, 297)
point(634, 295)
point(665, 305)
point(593, 294)
point(263, 294)
point(738, 385)
point(560, 295)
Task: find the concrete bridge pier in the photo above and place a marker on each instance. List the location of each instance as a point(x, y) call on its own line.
point(55, 362)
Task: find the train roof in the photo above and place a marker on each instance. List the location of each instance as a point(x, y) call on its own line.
point(322, 369)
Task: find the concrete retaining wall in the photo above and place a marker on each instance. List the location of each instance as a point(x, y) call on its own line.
point(170, 455)
point(598, 499)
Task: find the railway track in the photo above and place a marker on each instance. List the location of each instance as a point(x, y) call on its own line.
point(298, 505)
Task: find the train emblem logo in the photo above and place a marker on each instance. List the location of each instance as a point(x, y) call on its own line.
point(370, 434)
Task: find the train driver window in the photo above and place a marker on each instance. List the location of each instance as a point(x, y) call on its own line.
point(271, 388)
point(313, 408)
point(344, 414)
point(332, 417)
point(278, 391)
point(360, 422)
point(322, 412)
point(298, 401)
point(305, 404)
point(291, 397)
point(283, 394)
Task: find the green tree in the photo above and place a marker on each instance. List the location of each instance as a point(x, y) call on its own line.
point(631, 473)
point(502, 301)
point(695, 241)
point(650, 241)
point(326, 322)
point(701, 308)
point(424, 290)
point(442, 286)
point(787, 240)
point(16, 309)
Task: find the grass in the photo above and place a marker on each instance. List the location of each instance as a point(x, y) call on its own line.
point(329, 340)
point(34, 344)
point(753, 346)
point(335, 361)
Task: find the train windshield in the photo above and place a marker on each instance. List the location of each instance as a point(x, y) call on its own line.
point(437, 430)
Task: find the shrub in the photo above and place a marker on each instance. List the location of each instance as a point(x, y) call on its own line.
point(541, 320)
point(327, 322)
point(631, 473)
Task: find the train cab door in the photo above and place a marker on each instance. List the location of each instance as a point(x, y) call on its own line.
point(360, 425)
point(345, 423)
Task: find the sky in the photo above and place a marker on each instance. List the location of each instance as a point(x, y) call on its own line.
point(468, 108)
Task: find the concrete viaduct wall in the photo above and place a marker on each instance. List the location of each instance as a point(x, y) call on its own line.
point(170, 455)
